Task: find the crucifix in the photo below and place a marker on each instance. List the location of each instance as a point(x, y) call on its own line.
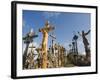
point(45, 32)
point(53, 38)
point(27, 40)
point(32, 53)
point(85, 41)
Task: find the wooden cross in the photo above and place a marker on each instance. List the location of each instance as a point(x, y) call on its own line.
point(45, 32)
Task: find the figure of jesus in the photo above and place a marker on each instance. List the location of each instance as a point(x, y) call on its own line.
point(85, 41)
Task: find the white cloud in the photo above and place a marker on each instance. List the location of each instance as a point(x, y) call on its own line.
point(23, 23)
point(48, 15)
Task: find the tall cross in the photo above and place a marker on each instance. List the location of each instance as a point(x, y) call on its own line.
point(85, 42)
point(45, 32)
point(27, 40)
point(53, 38)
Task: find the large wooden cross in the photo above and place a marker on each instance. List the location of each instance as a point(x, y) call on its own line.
point(45, 32)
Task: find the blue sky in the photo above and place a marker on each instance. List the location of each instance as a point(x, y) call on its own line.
point(66, 25)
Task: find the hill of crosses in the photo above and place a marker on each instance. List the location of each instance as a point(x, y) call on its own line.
point(54, 54)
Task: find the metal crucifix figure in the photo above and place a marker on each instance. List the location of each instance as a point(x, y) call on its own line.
point(85, 41)
point(45, 32)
